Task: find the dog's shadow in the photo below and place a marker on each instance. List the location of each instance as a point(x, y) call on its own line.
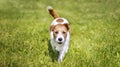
point(52, 54)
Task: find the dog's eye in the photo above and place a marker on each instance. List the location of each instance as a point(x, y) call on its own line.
point(56, 32)
point(63, 32)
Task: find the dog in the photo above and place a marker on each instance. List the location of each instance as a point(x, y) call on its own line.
point(59, 34)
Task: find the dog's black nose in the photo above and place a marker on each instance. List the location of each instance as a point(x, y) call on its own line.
point(60, 39)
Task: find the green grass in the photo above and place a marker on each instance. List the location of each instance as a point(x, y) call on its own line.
point(95, 33)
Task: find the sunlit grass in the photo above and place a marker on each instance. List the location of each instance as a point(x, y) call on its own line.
point(95, 33)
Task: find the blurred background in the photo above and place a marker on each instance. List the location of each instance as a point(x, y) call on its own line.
point(95, 33)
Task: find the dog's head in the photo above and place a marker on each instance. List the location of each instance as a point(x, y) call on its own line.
point(60, 32)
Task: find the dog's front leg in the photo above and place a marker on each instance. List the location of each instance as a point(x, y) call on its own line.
point(61, 55)
point(62, 52)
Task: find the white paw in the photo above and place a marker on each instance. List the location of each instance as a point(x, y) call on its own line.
point(59, 60)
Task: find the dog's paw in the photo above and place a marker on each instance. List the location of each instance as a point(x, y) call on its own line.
point(59, 60)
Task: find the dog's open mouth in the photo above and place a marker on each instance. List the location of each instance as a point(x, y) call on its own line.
point(59, 42)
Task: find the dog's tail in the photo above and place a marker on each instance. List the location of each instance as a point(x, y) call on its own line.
point(52, 12)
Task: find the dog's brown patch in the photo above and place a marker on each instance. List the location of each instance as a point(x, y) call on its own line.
point(59, 20)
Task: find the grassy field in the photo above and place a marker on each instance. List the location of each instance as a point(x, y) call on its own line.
point(95, 33)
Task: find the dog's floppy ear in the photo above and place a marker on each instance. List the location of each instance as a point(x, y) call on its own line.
point(67, 26)
point(52, 27)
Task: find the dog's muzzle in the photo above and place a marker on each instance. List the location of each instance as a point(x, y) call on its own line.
point(60, 41)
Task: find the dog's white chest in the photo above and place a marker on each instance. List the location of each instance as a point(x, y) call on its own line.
point(56, 46)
